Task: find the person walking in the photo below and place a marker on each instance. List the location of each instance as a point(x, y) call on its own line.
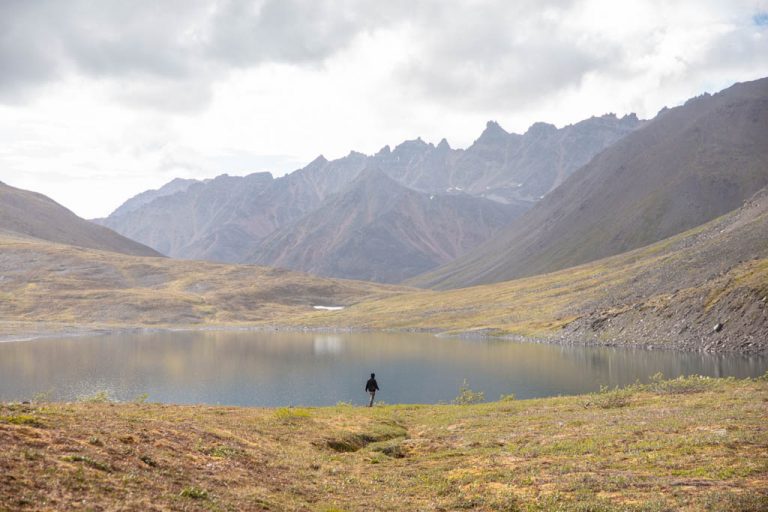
point(372, 387)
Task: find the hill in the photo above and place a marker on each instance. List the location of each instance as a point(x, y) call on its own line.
point(687, 444)
point(29, 214)
point(227, 218)
point(669, 294)
point(65, 285)
point(688, 165)
point(378, 230)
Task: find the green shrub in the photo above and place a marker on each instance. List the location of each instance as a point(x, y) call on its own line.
point(194, 493)
point(88, 461)
point(21, 419)
point(681, 385)
point(42, 397)
point(290, 413)
point(608, 398)
point(100, 397)
point(468, 397)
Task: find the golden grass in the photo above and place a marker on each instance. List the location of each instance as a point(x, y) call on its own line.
point(59, 284)
point(688, 445)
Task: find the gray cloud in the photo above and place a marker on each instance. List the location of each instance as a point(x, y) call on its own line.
point(484, 54)
point(502, 55)
point(170, 49)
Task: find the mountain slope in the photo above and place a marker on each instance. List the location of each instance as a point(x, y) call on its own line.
point(687, 166)
point(379, 230)
point(669, 294)
point(29, 214)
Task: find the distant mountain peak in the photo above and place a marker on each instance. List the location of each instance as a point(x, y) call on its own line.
point(443, 145)
point(320, 160)
point(384, 151)
point(540, 128)
point(493, 132)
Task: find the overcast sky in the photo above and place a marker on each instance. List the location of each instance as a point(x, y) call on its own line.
point(102, 100)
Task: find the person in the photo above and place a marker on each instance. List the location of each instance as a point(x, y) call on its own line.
point(372, 387)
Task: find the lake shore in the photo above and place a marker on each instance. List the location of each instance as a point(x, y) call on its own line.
point(30, 331)
point(687, 444)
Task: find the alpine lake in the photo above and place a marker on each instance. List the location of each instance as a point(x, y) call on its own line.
point(255, 368)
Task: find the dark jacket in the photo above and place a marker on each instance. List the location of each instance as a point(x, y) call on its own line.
point(371, 385)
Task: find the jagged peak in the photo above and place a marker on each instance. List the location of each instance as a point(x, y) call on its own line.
point(410, 144)
point(443, 145)
point(539, 128)
point(493, 127)
point(493, 131)
point(384, 151)
point(260, 174)
point(320, 160)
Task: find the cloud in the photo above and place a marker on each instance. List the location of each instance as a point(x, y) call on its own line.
point(494, 54)
point(476, 54)
point(166, 54)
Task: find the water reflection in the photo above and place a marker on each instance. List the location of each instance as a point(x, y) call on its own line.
point(270, 369)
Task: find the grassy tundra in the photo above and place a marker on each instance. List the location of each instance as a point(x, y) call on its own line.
point(687, 444)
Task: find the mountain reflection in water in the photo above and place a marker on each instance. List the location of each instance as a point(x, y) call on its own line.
point(275, 369)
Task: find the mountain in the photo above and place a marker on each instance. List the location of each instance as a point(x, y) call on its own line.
point(227, 218)
point(688, 165)
point(170, 188)
point(29, 214)
point(379, 230)
point(223, 219)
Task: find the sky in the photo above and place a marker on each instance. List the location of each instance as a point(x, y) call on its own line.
point(102, 100)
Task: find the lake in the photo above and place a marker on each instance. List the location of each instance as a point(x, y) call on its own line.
point(281, 369)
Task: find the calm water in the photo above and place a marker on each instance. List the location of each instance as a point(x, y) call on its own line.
point(275, 369)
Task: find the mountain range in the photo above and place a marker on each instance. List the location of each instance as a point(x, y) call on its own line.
point(246, 219)
point(688, 165)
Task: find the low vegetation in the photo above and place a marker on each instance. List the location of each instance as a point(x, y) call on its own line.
point(689, 444)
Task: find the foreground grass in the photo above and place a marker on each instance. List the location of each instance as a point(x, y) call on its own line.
point(694, 444)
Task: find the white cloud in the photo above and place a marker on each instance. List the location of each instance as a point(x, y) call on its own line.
point(101, 100)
